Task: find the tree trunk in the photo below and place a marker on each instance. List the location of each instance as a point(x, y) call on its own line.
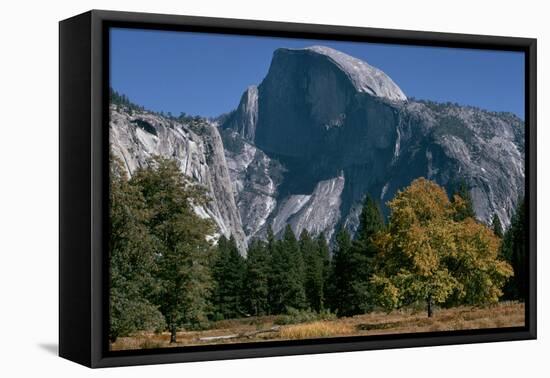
point(430, 305)
point(172, 334)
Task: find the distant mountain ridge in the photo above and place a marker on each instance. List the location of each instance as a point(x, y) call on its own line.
point(318, 133)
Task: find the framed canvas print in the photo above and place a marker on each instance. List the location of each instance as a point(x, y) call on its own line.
point(234, 188)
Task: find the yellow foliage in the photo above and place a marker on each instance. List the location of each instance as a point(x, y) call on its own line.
point(420, 202)
point(426, 254)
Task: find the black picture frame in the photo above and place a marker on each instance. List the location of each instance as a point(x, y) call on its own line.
point(83, 182)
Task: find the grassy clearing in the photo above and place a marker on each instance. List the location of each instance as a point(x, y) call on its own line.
point(507, 314)
point(316, 330)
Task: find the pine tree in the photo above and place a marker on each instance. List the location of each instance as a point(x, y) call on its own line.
point(273, 271)
point(362, 255)
point(514, 250)
point(182, 251)
point(295, 296)
point(228, 273)
point(256, 287)
point(340, 289)
point(497, 226)
point(462, 203)
point(324, 253)
point(313, 271)
point(220, 258)
point(352, 263)
point(287, 282)
point(371, 221)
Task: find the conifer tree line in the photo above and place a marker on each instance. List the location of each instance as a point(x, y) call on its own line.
point(277, 275)
point(167, 275)
point(121, 101)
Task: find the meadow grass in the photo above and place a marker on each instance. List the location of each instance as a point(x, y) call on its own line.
point(505, 314)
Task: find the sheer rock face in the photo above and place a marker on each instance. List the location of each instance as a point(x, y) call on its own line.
point(197, 148)
point(320, 212)
point(327, 117)
point(255, 178)
point(451, 144)
point(243, 120)
point(320, 132)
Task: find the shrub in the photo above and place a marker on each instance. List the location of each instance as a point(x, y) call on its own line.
point(294, 316)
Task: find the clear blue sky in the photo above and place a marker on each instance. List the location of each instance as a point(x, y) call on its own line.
point(206, 74)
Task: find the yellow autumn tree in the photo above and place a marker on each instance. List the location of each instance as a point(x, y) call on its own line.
point(476, 264)
point(426, 255)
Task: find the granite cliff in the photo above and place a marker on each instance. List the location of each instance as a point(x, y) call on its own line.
point(341, 128)
point(323, 129)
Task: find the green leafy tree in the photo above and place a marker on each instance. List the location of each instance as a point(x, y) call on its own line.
point(514, 250)
point(473, 258)
point(427, 255)
point(497, 226)
point(256, 286)
point(313, 271)
point(131, 257)
point(228, 273)
point(182, 251)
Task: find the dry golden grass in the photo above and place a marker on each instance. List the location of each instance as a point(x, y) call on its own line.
point(316, 330)
point(506, 314)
